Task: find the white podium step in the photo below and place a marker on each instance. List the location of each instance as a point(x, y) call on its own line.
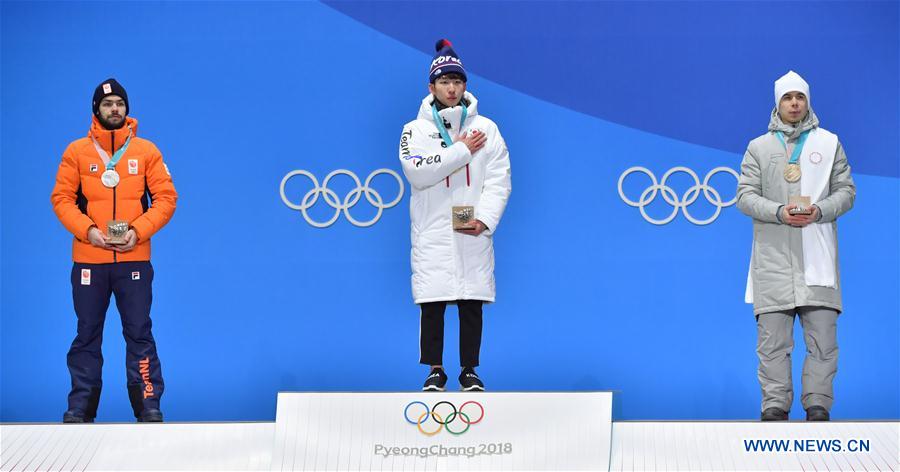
point(443, 431)
point(125, 447)
point(396, 431)
point(755, 446)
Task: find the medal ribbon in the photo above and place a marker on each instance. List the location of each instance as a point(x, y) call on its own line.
point(440, 124)
point(112, 161)
point(446, 136)
point(795, 156)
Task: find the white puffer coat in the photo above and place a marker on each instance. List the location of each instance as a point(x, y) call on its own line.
point(448, 265)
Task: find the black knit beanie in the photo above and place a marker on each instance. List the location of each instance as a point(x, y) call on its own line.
point(109, 87)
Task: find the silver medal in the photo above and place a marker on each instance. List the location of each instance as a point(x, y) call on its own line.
point(110, 178)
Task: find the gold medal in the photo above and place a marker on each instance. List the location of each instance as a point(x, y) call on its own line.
point(792, 173)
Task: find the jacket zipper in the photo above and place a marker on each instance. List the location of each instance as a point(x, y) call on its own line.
point(462, 263)
point(460, 247)
point(112, 135)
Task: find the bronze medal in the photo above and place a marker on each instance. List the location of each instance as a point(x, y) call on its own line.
point(792, 173)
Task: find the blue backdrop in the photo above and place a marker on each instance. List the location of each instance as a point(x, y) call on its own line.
point(250, 299)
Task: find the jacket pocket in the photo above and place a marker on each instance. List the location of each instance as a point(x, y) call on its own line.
point(771, 168)
point(772, 264)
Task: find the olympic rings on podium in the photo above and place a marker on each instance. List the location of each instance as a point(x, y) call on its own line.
point(431, 414)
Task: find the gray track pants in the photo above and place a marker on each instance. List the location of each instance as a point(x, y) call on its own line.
point(774, 343)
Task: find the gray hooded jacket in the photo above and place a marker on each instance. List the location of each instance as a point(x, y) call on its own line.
point(777, 265)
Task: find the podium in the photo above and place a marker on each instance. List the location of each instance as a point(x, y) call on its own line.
point(443, 431)
point(452, 431)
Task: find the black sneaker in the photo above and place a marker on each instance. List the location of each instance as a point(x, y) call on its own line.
point(774, 414)
point(469, 381)
point(817, 413)
point(435, 381)
point(150, 415)
point(74, 416)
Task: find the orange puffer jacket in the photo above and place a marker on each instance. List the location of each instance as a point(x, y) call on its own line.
point(145, 196)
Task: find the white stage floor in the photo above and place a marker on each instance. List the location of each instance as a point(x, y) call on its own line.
point(121, 446)
point(722, 445)
point(639, 445)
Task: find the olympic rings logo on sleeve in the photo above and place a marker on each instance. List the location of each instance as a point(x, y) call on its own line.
point(669, 195)
point(456, 421)
point(348, 202)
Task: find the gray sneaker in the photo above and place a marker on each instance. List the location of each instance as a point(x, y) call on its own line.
point(817, 413)
point(774, 414)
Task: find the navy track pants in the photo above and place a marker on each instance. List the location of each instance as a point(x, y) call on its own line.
point(92, 286)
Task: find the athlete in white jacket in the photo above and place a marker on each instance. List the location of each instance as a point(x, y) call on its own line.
point(458, 159)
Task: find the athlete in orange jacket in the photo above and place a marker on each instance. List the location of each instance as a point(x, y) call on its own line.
point(113, 175)
point(81, 201)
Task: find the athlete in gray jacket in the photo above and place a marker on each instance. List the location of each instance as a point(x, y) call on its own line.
point(794, 267)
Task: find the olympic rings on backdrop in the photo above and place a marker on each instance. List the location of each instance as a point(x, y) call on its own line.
point(439, 419)
point(332, 199)
point(669, 195)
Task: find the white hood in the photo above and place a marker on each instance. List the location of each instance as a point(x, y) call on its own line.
point(471, 110)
